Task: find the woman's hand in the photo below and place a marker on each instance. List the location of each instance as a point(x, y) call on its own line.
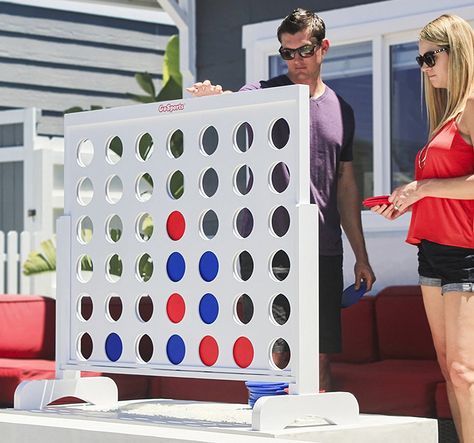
point(388, 211)
point(205, 88)
point(404, 196)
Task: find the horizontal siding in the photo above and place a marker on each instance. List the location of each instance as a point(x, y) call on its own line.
point(53, 60)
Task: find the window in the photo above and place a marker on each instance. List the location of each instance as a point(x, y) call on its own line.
point(11, 135)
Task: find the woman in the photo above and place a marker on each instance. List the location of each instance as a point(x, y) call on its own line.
point(441, 201)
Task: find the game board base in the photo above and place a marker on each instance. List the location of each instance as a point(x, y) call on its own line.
point(182, 421)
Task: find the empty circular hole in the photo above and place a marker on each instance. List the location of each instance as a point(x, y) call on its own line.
point(113, 268)
point(176, 144)
point(243, 138)
point(209, 224)
point(85, 230)
point(280, 353)
point(144, 267)
point(144, 147)
point(209, 182)
point(145, 348)
point(279, 177)
point(280, 309)
point(85, 268)
point(280, 133)
point(114, 308)
point(209, 140)
point(85, 191)
point(84, 346)
point(243, 266)
point(113, 189)
point(176, 185)
point(144, 227)
point(145, 308)
point(85, 153)
point(113, 228)
point(243, 180)
point(114, 150)
point(280, 221)
point(243, 309)
point(280, 264)
point(243, 223)
point(85, 307)
point(144, 187)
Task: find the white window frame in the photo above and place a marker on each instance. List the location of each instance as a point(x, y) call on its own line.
point(385, 24)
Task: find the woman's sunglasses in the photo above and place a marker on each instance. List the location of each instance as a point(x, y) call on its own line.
point(304, 51)
point(429, 58)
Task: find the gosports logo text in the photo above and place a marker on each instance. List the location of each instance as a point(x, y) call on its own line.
point(169, 107)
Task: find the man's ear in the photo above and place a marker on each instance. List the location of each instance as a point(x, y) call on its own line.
point(325, 46)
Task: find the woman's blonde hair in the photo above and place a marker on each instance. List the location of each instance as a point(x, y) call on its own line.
point(457, 35)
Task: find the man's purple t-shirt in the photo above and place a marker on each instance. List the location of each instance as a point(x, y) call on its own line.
point(331, 137)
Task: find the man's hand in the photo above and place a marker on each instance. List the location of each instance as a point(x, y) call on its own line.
point(205, 88)
point(363, 272)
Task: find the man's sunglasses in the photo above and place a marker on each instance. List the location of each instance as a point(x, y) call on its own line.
point(304, 51)
point(429, 58)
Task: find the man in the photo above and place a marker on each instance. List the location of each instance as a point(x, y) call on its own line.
point(333, 187)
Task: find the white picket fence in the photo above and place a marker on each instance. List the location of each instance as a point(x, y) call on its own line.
point(14, 249)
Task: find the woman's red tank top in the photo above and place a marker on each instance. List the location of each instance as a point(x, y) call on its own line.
point(444, 220)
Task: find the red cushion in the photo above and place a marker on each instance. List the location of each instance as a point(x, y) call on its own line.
point(27, 325)
point(358, 333)
point(402, 326)
point(442, 404)
point(226, 391)
point(400, 387)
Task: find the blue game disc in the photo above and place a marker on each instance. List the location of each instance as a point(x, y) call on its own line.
point(208, 308)
point(351, 296)
point(175, 266)
point(208, 266)
point(113, 347)
point(175, 349)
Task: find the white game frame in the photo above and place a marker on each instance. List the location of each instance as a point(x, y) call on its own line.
point(225, 113)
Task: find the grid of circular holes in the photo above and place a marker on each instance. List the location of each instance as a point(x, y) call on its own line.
point(144, 147)
point(280, 265)
point(114, 308)
point(243, 180)
point(243, 223)
point(113, 228)
point(84, 268)
point(85, 307)
point(85, 153)
point(113, 268)
point(113, 189)
point(144, 227)
point(85, 229)
point(279, 221)
point(176, 144)
point(144, 267)
point(209, 140)
point(243, 137)
point(280, 309)
point(279, 177)
point(279, 133)
point(145, 308)
point(114, 150)
point(243, 266)
point(243, 309)
point(144, 187)
point(85, 346)
point(144, 348)
point(85, 191)
point(209, 182)
point(176, 185)
point(209, 225)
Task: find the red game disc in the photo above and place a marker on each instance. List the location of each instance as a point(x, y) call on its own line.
point(208, 350)
point(243, 352)
point(175, 308)
point(175, 225)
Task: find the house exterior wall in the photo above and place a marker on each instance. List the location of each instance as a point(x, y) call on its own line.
point(53, 60)
point(219, 54)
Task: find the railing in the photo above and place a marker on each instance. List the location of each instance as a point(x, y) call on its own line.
point(14, 249)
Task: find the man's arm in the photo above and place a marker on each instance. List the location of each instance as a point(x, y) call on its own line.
point(349, 209)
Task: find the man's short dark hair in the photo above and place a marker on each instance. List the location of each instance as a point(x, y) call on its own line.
point(302, 20)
